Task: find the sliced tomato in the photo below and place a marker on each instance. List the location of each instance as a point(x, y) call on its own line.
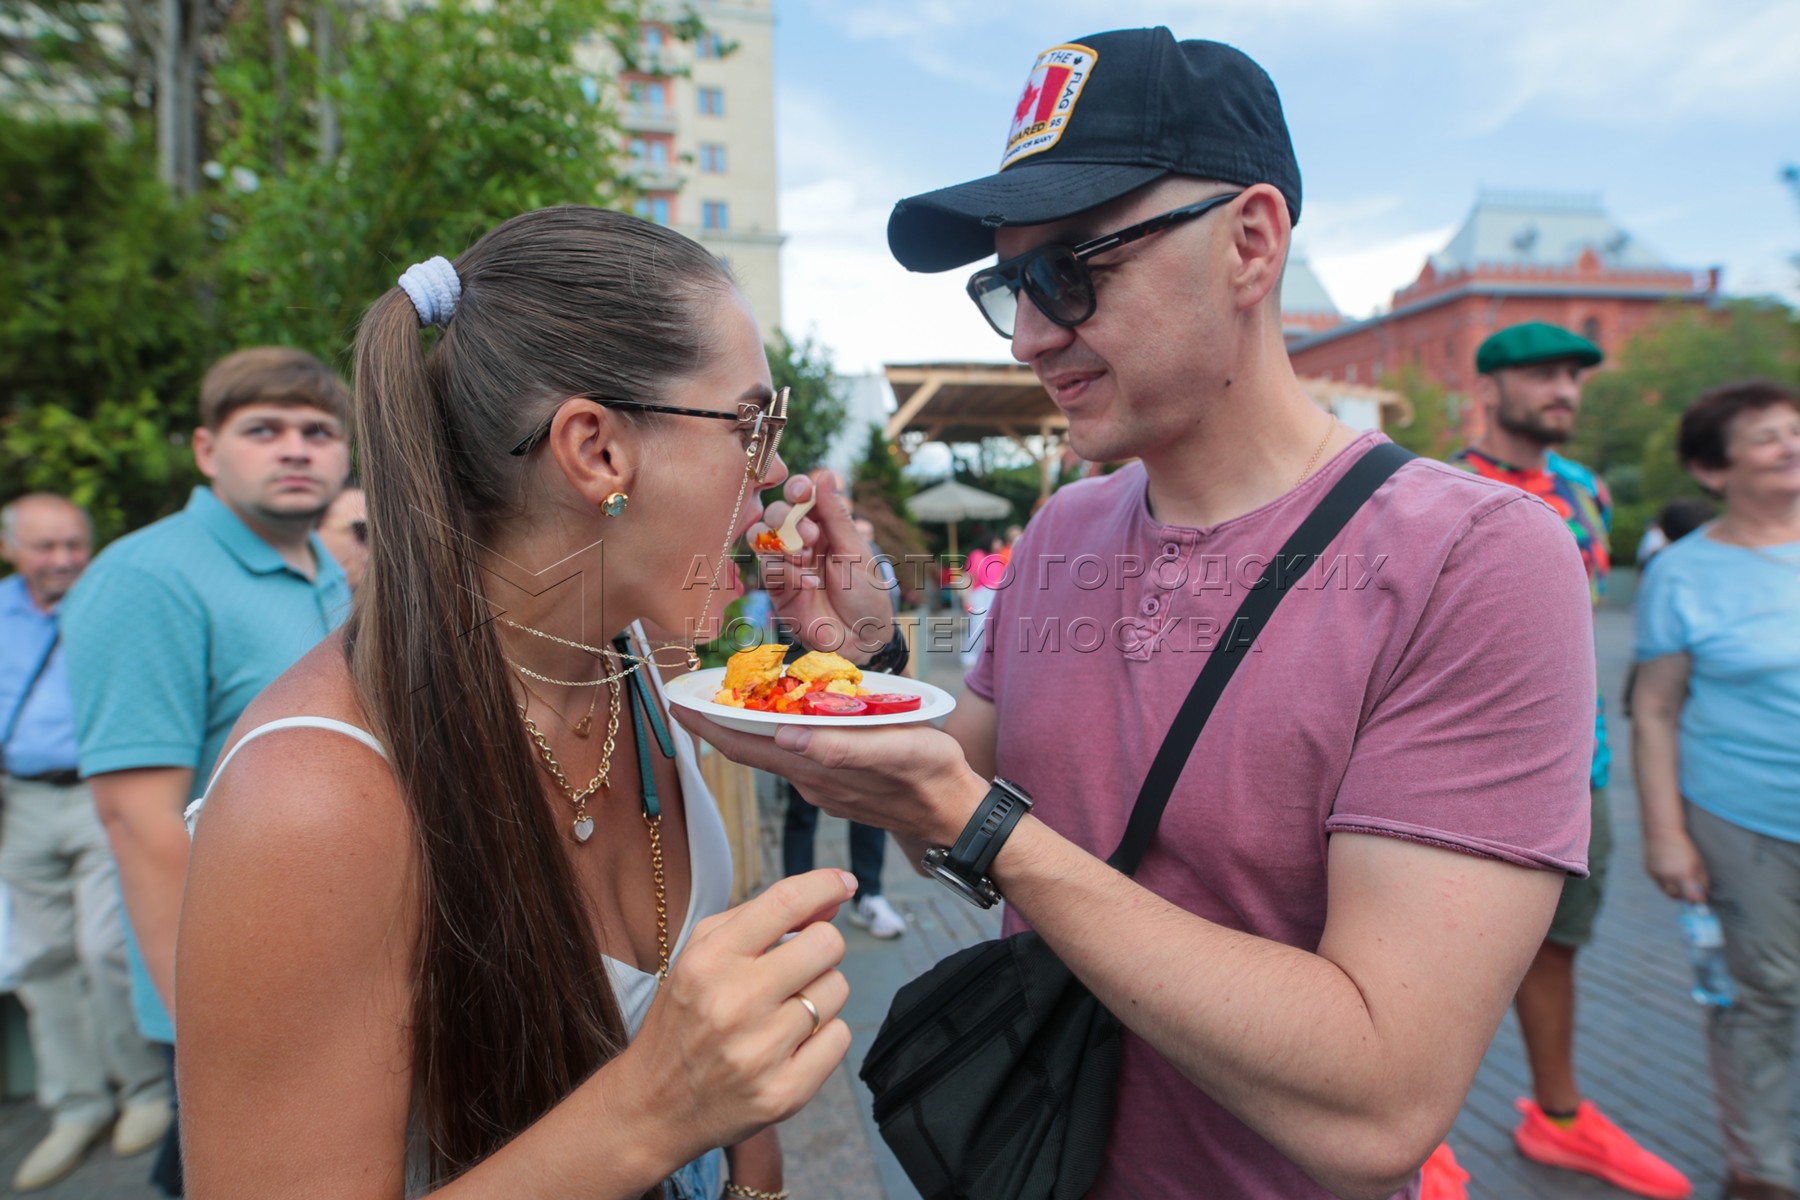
point(832, 704)
point(891, 702)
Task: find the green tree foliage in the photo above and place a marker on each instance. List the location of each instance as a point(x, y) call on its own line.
point(1432, 432)
point(119, 462)
point(816, 401)
point(1629, 413)
point(104, 322)
point(879, 489)
point(445, 119)
point(336, 168)
point(1662, 371)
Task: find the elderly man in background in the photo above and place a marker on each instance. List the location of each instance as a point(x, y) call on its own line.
point(68, 937)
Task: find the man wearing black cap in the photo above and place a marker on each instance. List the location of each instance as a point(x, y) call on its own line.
point(1366, 846)
point(1528, 385)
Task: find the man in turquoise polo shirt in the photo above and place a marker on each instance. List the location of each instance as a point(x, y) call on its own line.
point(175, 629)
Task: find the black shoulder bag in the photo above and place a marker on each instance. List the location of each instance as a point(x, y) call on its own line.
point(994, 1073)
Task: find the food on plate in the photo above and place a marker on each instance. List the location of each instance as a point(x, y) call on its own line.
point(891, 702)
point(749, 669)
point(817, 684)
point(822, 666)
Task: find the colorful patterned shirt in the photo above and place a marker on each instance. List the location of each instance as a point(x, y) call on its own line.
point(1580, 498)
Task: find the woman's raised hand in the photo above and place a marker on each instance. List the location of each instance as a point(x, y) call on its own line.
point(830, 592)
point(728, 1047)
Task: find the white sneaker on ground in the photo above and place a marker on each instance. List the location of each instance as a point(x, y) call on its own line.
point(877, 916)
point(58, 1154)
point(141, 1126)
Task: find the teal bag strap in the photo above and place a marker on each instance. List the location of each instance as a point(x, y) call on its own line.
point(640, 698)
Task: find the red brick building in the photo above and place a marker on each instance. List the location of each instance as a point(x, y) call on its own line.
point(1306, 307)
point(1518, 257)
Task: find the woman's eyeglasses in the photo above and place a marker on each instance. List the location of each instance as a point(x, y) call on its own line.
point(760, 425)
point(1057, 278)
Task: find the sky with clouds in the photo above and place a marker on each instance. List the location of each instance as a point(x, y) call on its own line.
point(1680, 114)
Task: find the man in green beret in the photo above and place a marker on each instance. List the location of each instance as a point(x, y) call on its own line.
point(1529, 387)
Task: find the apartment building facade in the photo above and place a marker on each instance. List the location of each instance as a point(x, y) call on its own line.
point(699, 127)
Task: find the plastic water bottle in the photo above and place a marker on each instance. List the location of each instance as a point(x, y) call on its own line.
point(1705, 940)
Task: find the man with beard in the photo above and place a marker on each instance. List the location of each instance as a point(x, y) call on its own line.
point(175, 629)
point(1529, 385)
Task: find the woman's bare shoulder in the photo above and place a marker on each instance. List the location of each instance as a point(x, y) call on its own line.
point(315, 784)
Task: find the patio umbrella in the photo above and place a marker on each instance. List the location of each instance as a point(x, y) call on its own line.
point(950, 502)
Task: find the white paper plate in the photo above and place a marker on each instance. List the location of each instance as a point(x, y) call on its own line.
point(696, 689)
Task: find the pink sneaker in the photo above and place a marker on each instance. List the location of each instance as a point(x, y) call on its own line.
point(1442, 1178)
point(1595, 1146)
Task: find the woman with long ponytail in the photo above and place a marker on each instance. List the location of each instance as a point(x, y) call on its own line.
point(455, 921)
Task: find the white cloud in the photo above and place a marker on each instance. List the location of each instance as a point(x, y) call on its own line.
point(1656, 61)
point(1363, 280)
point(1620, 64)
point(839, 282)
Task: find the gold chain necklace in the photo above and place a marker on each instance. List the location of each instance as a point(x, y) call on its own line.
point(690, 659)
point(1330, 428)
point(582, 727)
point(637, 661)
point(583, 825)
point(584, 822)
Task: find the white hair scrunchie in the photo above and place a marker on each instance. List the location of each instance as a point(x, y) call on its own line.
point(434, 289)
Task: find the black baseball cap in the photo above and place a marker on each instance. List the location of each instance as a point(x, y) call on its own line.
point(1099, 117)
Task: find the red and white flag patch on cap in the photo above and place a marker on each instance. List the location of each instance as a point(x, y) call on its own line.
point(1048, 101)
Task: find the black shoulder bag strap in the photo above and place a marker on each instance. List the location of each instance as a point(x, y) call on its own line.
point(1296, 558)
point(37, 674)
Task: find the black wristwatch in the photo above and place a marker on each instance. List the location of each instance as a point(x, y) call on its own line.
point(963, 867)
point(892, 657)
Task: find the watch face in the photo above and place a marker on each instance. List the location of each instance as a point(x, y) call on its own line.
point(939, 869)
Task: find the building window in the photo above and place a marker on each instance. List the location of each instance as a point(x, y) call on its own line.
point(712, 158)
point(651, 153)
point(715, 215)
point(653, 39)
point(654, 208)
point(1350, 373)
point(709, 45)
point(652, 95)
point(712, 101)
point(1590, 329)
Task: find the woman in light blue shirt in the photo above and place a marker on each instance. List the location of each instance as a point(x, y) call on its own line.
point(1716, 744)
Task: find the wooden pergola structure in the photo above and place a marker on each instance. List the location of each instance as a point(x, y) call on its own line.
point(966, 402)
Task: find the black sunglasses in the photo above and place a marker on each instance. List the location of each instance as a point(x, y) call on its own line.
point(1056, 277)
point(762, 425)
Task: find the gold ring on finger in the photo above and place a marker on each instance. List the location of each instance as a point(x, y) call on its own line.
point(812, 1010)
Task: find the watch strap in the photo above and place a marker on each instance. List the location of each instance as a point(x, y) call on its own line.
point(1001, 809)
point(892, 658)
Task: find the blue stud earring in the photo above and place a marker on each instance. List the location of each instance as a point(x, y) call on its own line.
point(614, 504)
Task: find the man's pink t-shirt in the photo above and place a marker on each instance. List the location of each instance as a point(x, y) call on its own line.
point(1431, 679)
